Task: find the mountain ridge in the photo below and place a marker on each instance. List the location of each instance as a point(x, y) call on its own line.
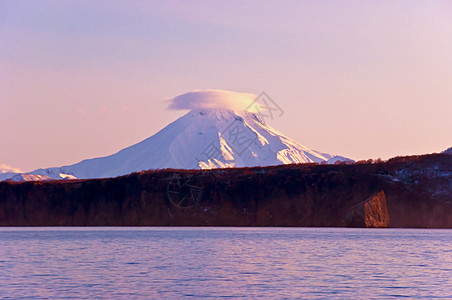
point(417, 191)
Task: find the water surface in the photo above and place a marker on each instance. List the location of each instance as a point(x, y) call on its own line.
point(168, 263)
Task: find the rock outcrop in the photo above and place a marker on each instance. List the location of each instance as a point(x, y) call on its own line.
point(372, 212)
point(376, 211)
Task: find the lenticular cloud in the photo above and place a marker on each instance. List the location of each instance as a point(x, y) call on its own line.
point(212, 99)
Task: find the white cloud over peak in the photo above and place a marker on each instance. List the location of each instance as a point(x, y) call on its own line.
point(216, 99)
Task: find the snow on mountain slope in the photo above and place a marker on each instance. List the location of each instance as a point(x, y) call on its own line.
point(14, 174)
point(338, 158)
point(29, 177)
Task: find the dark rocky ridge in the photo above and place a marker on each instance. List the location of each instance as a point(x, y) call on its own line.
point(403, 192)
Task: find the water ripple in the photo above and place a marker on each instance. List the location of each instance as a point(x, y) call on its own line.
point(285, 263)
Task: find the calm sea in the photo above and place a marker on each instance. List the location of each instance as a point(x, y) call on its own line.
point(178, 262)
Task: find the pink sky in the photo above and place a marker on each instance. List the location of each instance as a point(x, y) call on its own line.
point(363, 79)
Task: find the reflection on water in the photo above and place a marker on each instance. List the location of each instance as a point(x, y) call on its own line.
point(143, 263)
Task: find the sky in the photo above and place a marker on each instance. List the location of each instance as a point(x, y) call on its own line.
point(362, 79)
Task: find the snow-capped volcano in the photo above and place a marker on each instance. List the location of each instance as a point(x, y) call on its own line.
point(208, 136)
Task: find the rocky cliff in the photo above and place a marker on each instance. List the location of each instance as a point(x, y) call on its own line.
point(403, 192)
point(372, 212)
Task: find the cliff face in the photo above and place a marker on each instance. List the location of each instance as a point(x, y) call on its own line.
point(372, 212)
point(404, 192)
point(376, 211)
